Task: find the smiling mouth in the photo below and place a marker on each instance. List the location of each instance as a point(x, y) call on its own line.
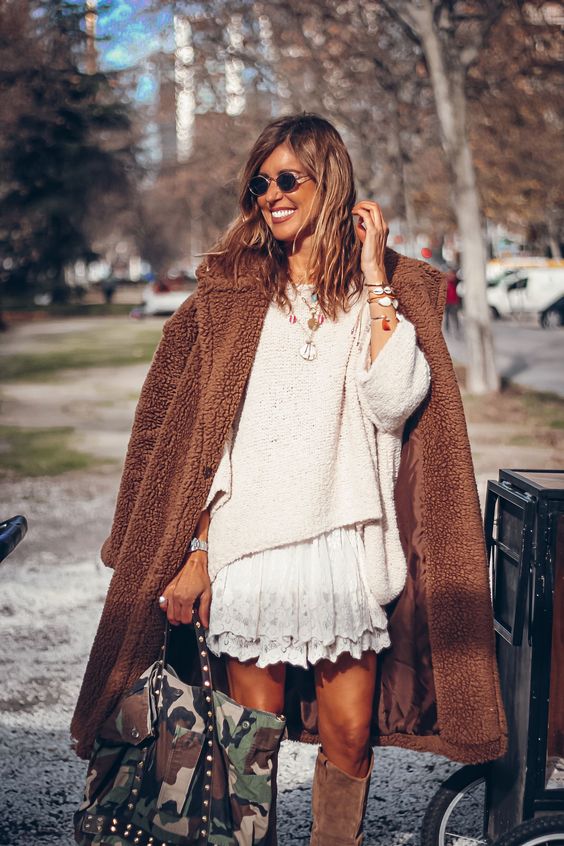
point(279, 215)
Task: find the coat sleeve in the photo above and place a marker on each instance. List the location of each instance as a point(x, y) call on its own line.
point(159, 387)
point(436, 283)
point(396, 382)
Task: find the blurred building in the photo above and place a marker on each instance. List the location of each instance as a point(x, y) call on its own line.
point(90, 21)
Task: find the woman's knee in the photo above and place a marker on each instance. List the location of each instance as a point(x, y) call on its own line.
point(350, 734)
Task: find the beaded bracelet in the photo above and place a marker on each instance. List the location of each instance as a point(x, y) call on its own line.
point(381, 288)
point(385, 301)
point(384, 295)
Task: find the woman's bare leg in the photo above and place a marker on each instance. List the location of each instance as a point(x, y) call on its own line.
point(261, 688)
point(257, 687)
point(344, 691)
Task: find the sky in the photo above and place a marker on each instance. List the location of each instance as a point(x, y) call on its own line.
point(132, 31)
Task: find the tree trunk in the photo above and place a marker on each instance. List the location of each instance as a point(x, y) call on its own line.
point(398, 153)
point(450, 100)
point(553, 239)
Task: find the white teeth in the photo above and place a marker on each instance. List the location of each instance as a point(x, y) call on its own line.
point(282, 213)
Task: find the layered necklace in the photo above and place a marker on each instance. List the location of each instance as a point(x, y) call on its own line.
point(308, 350)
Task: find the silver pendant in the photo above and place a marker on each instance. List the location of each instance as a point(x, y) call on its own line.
point(308, 351)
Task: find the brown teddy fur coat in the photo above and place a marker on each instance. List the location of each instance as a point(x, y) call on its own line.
point(438, 688)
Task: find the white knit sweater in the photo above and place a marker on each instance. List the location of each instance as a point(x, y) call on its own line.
point(316, 444)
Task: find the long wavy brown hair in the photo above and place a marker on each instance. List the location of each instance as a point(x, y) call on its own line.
point(334, 266)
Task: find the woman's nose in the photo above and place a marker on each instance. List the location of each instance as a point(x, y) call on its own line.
point(273, 192)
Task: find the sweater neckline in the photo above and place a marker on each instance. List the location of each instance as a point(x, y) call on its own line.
point(302, 286)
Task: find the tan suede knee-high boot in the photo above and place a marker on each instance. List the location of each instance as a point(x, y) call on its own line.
point(338, 804)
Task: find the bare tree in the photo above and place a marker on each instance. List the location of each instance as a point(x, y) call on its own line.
point(383, 72)
point(451, 35)
point(516, 109)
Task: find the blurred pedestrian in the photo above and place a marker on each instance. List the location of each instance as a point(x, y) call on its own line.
point(109, 285)
point(291, 475)
point(453, 302)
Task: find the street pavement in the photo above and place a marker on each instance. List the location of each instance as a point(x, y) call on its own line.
point(525, 354)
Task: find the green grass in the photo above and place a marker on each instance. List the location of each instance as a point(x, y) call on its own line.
point(522, 440)
point(69, 309)
point(519, 406)
point(112, 347)
point(548, 408)
point(40, 452)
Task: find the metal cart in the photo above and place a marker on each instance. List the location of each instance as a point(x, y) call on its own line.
point(518, 800)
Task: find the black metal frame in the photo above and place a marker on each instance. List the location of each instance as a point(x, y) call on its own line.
point(524, 649)
point(514, 633)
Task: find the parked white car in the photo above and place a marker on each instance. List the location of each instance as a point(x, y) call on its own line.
point(533, 290)
point(164, 295)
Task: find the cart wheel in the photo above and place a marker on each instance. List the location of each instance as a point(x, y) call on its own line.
point(455, 814)
point(542, 831)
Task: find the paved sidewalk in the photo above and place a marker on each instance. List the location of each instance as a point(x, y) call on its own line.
point(525, 354)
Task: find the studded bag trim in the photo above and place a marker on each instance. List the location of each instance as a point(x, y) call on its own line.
point(168, 761)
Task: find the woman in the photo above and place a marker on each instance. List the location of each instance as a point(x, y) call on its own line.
point(270, 426)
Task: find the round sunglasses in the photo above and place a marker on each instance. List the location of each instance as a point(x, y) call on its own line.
point(286, 181)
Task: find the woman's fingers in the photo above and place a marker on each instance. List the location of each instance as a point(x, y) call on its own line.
point(371, 213)
point(172, 610)
point(179, 607)
point(182, 609)
point(171, 606)
point(204, 608)
point(183, 591)
point(373, 236)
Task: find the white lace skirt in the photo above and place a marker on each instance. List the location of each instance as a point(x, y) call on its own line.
point(297, 603)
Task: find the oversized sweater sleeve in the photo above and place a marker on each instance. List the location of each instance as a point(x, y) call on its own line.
point(220, 490)
point(169, 360)
point(396, 382)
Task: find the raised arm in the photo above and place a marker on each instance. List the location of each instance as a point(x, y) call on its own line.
point(394, 384)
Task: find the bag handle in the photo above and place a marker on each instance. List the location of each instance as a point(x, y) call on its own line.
point(209, 745)
point(203, 652)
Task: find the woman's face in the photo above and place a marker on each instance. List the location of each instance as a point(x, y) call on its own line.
point(286, 214)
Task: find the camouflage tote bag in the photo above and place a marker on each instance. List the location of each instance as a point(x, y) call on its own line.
point(176, 765)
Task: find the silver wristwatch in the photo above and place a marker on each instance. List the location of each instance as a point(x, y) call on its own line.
point(196, 543)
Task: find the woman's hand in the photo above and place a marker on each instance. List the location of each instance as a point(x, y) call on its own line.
point(373, 236)
point(190, 584)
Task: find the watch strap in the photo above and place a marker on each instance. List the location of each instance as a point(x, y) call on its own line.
point(196, 543)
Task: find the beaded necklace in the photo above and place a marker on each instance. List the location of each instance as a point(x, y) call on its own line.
point(308, 351)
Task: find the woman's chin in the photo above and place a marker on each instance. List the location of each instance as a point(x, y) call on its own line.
point(289, 234)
